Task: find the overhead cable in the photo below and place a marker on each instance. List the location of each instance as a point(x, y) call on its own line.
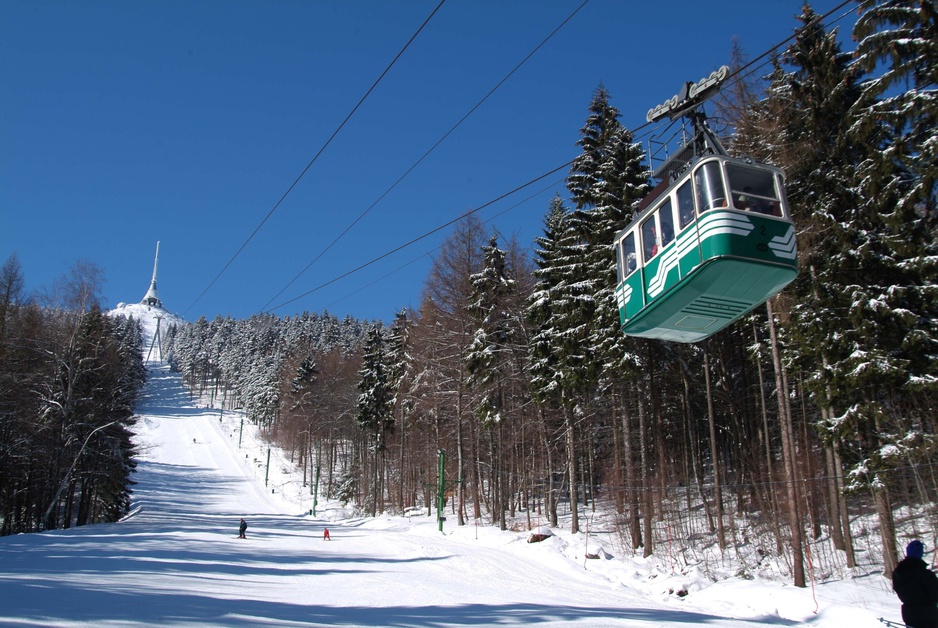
point(313, 160)
point(438, 247)
point(634, 131)
point(426, 154)
point(421, 237)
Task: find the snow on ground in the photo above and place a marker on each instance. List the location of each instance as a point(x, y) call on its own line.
point(154, 320)
point(176, 559)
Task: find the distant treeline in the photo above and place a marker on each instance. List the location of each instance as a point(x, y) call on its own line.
point(69, 379)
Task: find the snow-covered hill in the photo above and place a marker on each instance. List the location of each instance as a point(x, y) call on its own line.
point(176, 559)
point(152, 319)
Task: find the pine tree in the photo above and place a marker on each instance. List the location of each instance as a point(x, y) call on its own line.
point(900, 38)
point(398, 341)
point(401, 376)
point(376, 403)
point(861, 319)
point(560, 311)
point(305, 375)
point(488, 358)
point(802, 127)
point(488, 354)
point(605, 183)
point(893, 308)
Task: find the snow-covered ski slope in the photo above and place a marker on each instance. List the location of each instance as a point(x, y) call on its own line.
point(176, 559)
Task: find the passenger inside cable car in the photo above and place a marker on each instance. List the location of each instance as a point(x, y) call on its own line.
point(666, 220)
point(649, 238)
point(753, 190)
point(631, 260)
point(685, 205)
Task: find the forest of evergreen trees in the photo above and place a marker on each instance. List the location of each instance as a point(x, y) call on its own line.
point(805, 414)
point(70, 377)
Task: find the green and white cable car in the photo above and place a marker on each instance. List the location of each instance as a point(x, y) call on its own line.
point(710, 243)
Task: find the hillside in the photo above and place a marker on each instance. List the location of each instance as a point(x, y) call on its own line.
point(151, 318)
point(176, 558)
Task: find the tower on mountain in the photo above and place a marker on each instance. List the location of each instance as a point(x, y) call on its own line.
point(152, 297)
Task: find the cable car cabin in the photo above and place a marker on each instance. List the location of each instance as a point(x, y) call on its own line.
point(715, 244)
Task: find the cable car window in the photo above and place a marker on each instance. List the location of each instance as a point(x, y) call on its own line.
point(666, 220)
point(649, 239)
point(710, 190)
point(685, 204)
point(753, 189)
point(628, 262)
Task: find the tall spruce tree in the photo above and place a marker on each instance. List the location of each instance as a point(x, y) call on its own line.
point(892, 369)
point(488, 359)
point(802, 126)
point(488, 356)
point(401, 377)
point(863, 315)
point(551, 309)
point(560, 312)
point(605, 182)
point(899, 40)
point(376, 403)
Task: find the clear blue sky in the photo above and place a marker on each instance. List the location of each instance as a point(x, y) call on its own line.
point(124, 123)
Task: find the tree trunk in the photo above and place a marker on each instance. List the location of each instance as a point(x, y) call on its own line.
point(551, 495)
point(833, 500)
point(788, 456)
point(460, 486)
point(634, 525)
point(887, 529)
point(714, 455)
point(844, 513)
point(617, 454)
point(648, 501)
point(769, 461)
point(571, 468)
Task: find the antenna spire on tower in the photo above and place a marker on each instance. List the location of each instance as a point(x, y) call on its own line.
point(156, 261)
point(152, 297)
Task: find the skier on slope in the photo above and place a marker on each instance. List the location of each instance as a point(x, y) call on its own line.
point(917, 587)
point(242, 529)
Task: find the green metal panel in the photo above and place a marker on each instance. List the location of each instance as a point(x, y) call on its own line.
point(747, 259)
point(716, 295)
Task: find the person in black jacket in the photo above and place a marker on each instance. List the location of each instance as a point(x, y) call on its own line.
point(242, 529)
point(917, 587)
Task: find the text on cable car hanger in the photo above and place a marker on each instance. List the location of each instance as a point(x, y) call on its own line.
point(691, 95)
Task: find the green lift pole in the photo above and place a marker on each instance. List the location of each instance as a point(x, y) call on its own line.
point(316, 483)
point(441, 491)
point(316, 491)
point(267, 472)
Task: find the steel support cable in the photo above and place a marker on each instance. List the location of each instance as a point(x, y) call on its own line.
point(313, 160)
point(633, 131)
point(421, 237)
point(741, 72)
point(436, 248)
point(427, 153)
point(736, 73)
